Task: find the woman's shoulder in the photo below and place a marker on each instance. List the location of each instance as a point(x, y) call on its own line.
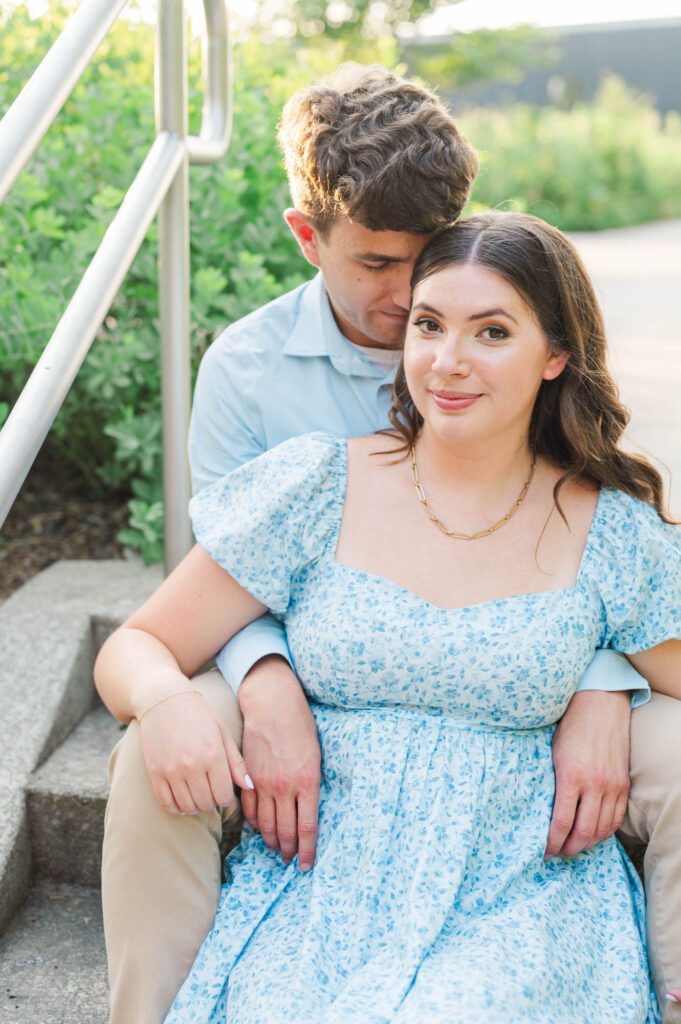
point(314, 449)
point(628, 518)
point(296, 475)
point(384, 445)
point(633, 539)
point(638, 569)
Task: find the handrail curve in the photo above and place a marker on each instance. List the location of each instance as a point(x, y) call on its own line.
point(216, 129)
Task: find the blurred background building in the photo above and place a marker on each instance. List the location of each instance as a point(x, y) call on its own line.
point(574, 58)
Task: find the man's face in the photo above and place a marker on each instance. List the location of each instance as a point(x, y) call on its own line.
point(366, 275)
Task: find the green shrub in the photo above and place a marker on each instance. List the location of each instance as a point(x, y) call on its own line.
point(242, 254)
point(606, 164)
point(612, 163)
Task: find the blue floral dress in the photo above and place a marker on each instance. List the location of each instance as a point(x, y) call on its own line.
point(430, 901)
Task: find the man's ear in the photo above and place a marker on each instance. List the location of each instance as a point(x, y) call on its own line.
point(304, 233)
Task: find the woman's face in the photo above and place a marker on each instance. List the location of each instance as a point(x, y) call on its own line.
point(475, 355)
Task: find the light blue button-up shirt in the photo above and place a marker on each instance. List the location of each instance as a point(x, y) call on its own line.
point(285, 370)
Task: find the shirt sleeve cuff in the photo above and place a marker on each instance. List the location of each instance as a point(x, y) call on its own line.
point(611, 671)
point(259, 639)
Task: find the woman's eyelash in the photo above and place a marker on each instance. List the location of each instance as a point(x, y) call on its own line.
point(429, 326)
point(501, 332)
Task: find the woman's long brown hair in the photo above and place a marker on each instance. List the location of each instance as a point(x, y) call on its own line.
point(578, 419)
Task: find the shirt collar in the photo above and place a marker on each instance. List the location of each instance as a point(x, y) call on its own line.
point(316, 333)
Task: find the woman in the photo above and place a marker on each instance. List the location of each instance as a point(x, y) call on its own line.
point(444, 587)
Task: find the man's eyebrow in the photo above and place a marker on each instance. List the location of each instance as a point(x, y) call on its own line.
point(377, 257)
point(492, 312)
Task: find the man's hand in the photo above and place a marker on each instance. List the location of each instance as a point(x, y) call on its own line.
point(591, 761)
point(282, 755)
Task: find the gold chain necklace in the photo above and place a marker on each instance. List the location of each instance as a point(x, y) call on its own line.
point(467, 536)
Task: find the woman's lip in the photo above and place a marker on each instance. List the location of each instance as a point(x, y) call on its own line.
point(451, 401)
point(456, 394)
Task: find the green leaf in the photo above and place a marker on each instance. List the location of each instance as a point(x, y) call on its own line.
point(48, 223)
point(109, 198)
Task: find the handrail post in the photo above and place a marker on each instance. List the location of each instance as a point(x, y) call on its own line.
point(173, 227)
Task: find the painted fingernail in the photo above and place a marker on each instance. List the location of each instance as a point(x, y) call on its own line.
point(670, 998)
point(248, 781)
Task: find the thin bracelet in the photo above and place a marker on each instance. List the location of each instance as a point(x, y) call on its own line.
point(170, 696)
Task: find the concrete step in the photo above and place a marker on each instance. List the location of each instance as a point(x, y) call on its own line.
point(66, 798)
point(52, 962)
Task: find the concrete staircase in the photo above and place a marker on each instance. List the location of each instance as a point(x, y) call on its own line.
point(52, 964)
point(55, 740)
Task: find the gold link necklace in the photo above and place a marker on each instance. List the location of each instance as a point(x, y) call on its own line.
point(467, 536)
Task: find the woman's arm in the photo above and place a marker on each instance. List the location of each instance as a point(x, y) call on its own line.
point(661, 666)
point(143, 672)
point(159, 647)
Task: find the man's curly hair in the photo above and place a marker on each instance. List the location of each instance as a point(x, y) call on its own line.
point(369, 145)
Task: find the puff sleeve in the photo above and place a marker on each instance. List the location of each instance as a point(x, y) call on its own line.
point(267, 519)
point(641, 590)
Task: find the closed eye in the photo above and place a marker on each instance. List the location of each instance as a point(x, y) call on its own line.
point(375, 266)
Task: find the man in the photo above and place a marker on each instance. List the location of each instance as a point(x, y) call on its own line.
point(376, 166)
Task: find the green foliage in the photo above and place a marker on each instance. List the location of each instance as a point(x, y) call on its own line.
point(467, 58)
point(612, 163)
point(601, 165)
point(349, 21)
point(241, 252)
point(383, 31)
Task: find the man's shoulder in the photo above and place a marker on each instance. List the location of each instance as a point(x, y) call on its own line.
point(264, 331)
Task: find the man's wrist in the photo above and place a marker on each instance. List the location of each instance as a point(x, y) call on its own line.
point(608, 698)
point(272, 670)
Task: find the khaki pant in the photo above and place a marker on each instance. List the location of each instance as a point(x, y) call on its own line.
point(161, 873)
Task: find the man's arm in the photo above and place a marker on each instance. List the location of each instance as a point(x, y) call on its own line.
point(224, 434)
point(280, 743)
point(661, 666)
point(591, 755)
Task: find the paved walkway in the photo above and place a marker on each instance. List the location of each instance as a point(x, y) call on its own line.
point(637, 272)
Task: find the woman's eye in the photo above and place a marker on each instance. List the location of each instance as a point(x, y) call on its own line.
point(494, 333)
point(427, 326)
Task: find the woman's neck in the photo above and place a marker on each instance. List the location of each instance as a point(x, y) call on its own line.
point(480, 473)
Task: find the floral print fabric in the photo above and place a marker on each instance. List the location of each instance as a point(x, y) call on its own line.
point(430, 901)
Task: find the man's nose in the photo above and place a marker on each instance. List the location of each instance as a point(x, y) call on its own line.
point(401, 292)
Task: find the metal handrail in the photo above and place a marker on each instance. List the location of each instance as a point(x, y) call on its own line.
point(161, 186)
point(216, 127)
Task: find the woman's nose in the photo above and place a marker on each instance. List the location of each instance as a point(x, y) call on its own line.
point(452, 358)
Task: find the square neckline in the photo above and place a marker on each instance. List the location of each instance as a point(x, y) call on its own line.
point(374, 577)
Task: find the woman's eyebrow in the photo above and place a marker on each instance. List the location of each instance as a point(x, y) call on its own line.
point(428, 309)
point(492, 312)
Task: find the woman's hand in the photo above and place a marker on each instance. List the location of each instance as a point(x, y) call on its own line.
point(591, 761)
point(191, 759)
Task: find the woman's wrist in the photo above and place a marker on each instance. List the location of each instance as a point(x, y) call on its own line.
point(162, 686)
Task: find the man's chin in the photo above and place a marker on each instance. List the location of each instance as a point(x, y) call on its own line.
point(386, 337)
